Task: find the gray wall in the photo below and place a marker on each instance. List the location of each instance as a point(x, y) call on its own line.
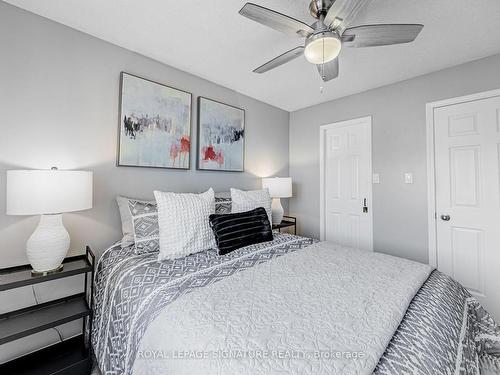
point(59, 107)
point(399, 146)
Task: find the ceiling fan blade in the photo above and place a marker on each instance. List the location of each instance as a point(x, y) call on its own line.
point(276, 20)
point(381, 35)
point(280, 60)
point(343, 12)
point(329, 71)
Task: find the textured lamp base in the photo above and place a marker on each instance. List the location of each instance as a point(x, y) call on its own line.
point(48, 245)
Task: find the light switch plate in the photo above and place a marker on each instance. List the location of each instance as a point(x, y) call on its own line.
point(376, 178)
point(408, 178)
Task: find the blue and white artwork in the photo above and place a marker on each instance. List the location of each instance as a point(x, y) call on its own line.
point(155, 125)
point(221, 136)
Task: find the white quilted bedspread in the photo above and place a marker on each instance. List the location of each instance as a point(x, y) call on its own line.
point(309, 312)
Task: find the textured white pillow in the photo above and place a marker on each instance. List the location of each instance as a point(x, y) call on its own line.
point(184, 224)
point(249, 200)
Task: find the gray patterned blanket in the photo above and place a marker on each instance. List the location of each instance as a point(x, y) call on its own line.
point(444, 331)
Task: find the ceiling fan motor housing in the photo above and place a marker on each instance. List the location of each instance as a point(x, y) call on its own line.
point(320, 7)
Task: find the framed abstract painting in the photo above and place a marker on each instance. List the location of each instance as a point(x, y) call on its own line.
point(155, 124)
point(221, 136)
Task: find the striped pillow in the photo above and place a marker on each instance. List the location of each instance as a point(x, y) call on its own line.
point(233, 231)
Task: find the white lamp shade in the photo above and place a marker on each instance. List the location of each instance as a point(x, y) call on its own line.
point(279, 187)
point(33, 192)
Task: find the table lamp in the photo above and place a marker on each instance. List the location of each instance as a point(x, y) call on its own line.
point(48, 193)
point(279, 187)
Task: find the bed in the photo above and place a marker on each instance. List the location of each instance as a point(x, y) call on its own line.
point(290, 306)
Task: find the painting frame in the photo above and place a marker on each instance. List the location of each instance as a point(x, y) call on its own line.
point(199, 143)
point(189, 124)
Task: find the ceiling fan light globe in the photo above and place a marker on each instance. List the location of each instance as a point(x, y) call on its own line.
point(322, 48)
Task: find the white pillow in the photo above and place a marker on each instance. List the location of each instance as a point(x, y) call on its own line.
point(249, 200)
point(184, 224)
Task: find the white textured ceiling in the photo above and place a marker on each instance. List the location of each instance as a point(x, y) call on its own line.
point(210, 39)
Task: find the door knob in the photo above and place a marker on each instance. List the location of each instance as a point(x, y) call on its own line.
point(445, 217)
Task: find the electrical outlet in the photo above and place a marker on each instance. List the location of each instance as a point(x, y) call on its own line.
point(376, 178)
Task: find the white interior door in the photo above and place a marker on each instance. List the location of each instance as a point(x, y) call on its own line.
point(467, 155)
point(345, 183)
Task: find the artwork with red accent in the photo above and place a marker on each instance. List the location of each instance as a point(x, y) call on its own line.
point(221, 136)
point(155, 125)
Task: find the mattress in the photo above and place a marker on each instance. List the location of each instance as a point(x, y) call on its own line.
point(420, 321)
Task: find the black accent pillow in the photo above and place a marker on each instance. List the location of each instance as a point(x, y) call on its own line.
point(233, 231)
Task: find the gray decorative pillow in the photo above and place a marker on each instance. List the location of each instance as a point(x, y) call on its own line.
point(145, 226)
point(126, 218)
point(223, 203)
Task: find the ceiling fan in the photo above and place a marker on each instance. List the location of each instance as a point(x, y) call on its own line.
point(325, 38)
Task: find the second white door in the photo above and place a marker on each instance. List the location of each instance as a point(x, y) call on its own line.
point(467, 155)
point(345, 183)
